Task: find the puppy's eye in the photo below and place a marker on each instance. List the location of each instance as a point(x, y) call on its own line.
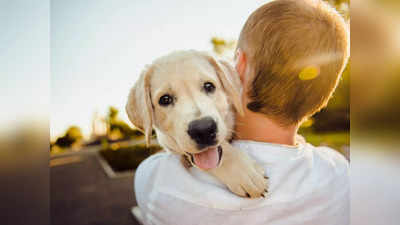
point(165, 100)
point(209, 87)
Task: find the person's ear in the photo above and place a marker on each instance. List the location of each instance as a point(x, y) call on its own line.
point(139, 107)
point(240, 63)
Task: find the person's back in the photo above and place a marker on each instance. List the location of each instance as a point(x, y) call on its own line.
point(308, 185)
point(290, 56)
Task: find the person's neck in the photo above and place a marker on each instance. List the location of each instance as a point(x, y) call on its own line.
point(258, 127)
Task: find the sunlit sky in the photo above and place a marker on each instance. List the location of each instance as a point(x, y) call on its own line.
point(99, 47)
point(24, 81)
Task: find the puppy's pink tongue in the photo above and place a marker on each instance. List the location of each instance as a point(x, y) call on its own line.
point(207, 159)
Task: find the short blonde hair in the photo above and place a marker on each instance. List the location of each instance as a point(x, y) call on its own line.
point(297, 50)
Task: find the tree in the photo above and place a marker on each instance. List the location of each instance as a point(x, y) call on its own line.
point(222, 46)
point(116, 128)
point(72, 136)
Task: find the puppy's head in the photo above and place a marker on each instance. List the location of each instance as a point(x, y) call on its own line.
point(187, 97)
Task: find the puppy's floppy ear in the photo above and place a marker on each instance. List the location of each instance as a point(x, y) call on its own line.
point(139, 107)
point(230, 81)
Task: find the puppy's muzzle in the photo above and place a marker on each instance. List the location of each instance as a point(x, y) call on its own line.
point(203, 132)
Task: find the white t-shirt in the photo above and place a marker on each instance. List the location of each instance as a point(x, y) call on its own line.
point(308, 186)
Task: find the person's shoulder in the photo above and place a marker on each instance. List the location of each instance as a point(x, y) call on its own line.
point(151, 173)
point(151, 164)
point(153, 160)
point(331, 159)
point(331, 155)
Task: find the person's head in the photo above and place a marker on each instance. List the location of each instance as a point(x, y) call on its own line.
point(290, 56)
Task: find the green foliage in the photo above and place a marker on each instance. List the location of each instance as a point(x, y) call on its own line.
point(220, 45)
point(128, 158)
point(112, 113)
point(71, 136)
point(118, 127)
point(335, 140)
point(74, 132)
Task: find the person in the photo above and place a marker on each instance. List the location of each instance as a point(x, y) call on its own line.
point(289, 57)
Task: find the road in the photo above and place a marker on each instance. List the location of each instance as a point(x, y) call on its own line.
point(81, 194)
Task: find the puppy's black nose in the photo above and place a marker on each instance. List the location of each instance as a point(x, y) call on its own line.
point(203, 132)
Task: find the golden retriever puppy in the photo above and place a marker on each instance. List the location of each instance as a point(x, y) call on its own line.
point(189, 98)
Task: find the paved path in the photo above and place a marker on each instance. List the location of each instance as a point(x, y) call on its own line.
point(81, 194)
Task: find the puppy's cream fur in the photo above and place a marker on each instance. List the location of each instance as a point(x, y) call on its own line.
point(182, 75)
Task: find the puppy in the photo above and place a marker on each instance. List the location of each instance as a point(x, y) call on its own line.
point(189, 98)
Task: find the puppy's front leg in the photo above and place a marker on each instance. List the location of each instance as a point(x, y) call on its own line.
point(241, 174)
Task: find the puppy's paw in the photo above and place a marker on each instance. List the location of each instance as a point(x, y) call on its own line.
point(242, 175)
point(252, 181)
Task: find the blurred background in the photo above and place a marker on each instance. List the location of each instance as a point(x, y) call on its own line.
point(98, 49)
point(66, 69)
point(375, 111)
